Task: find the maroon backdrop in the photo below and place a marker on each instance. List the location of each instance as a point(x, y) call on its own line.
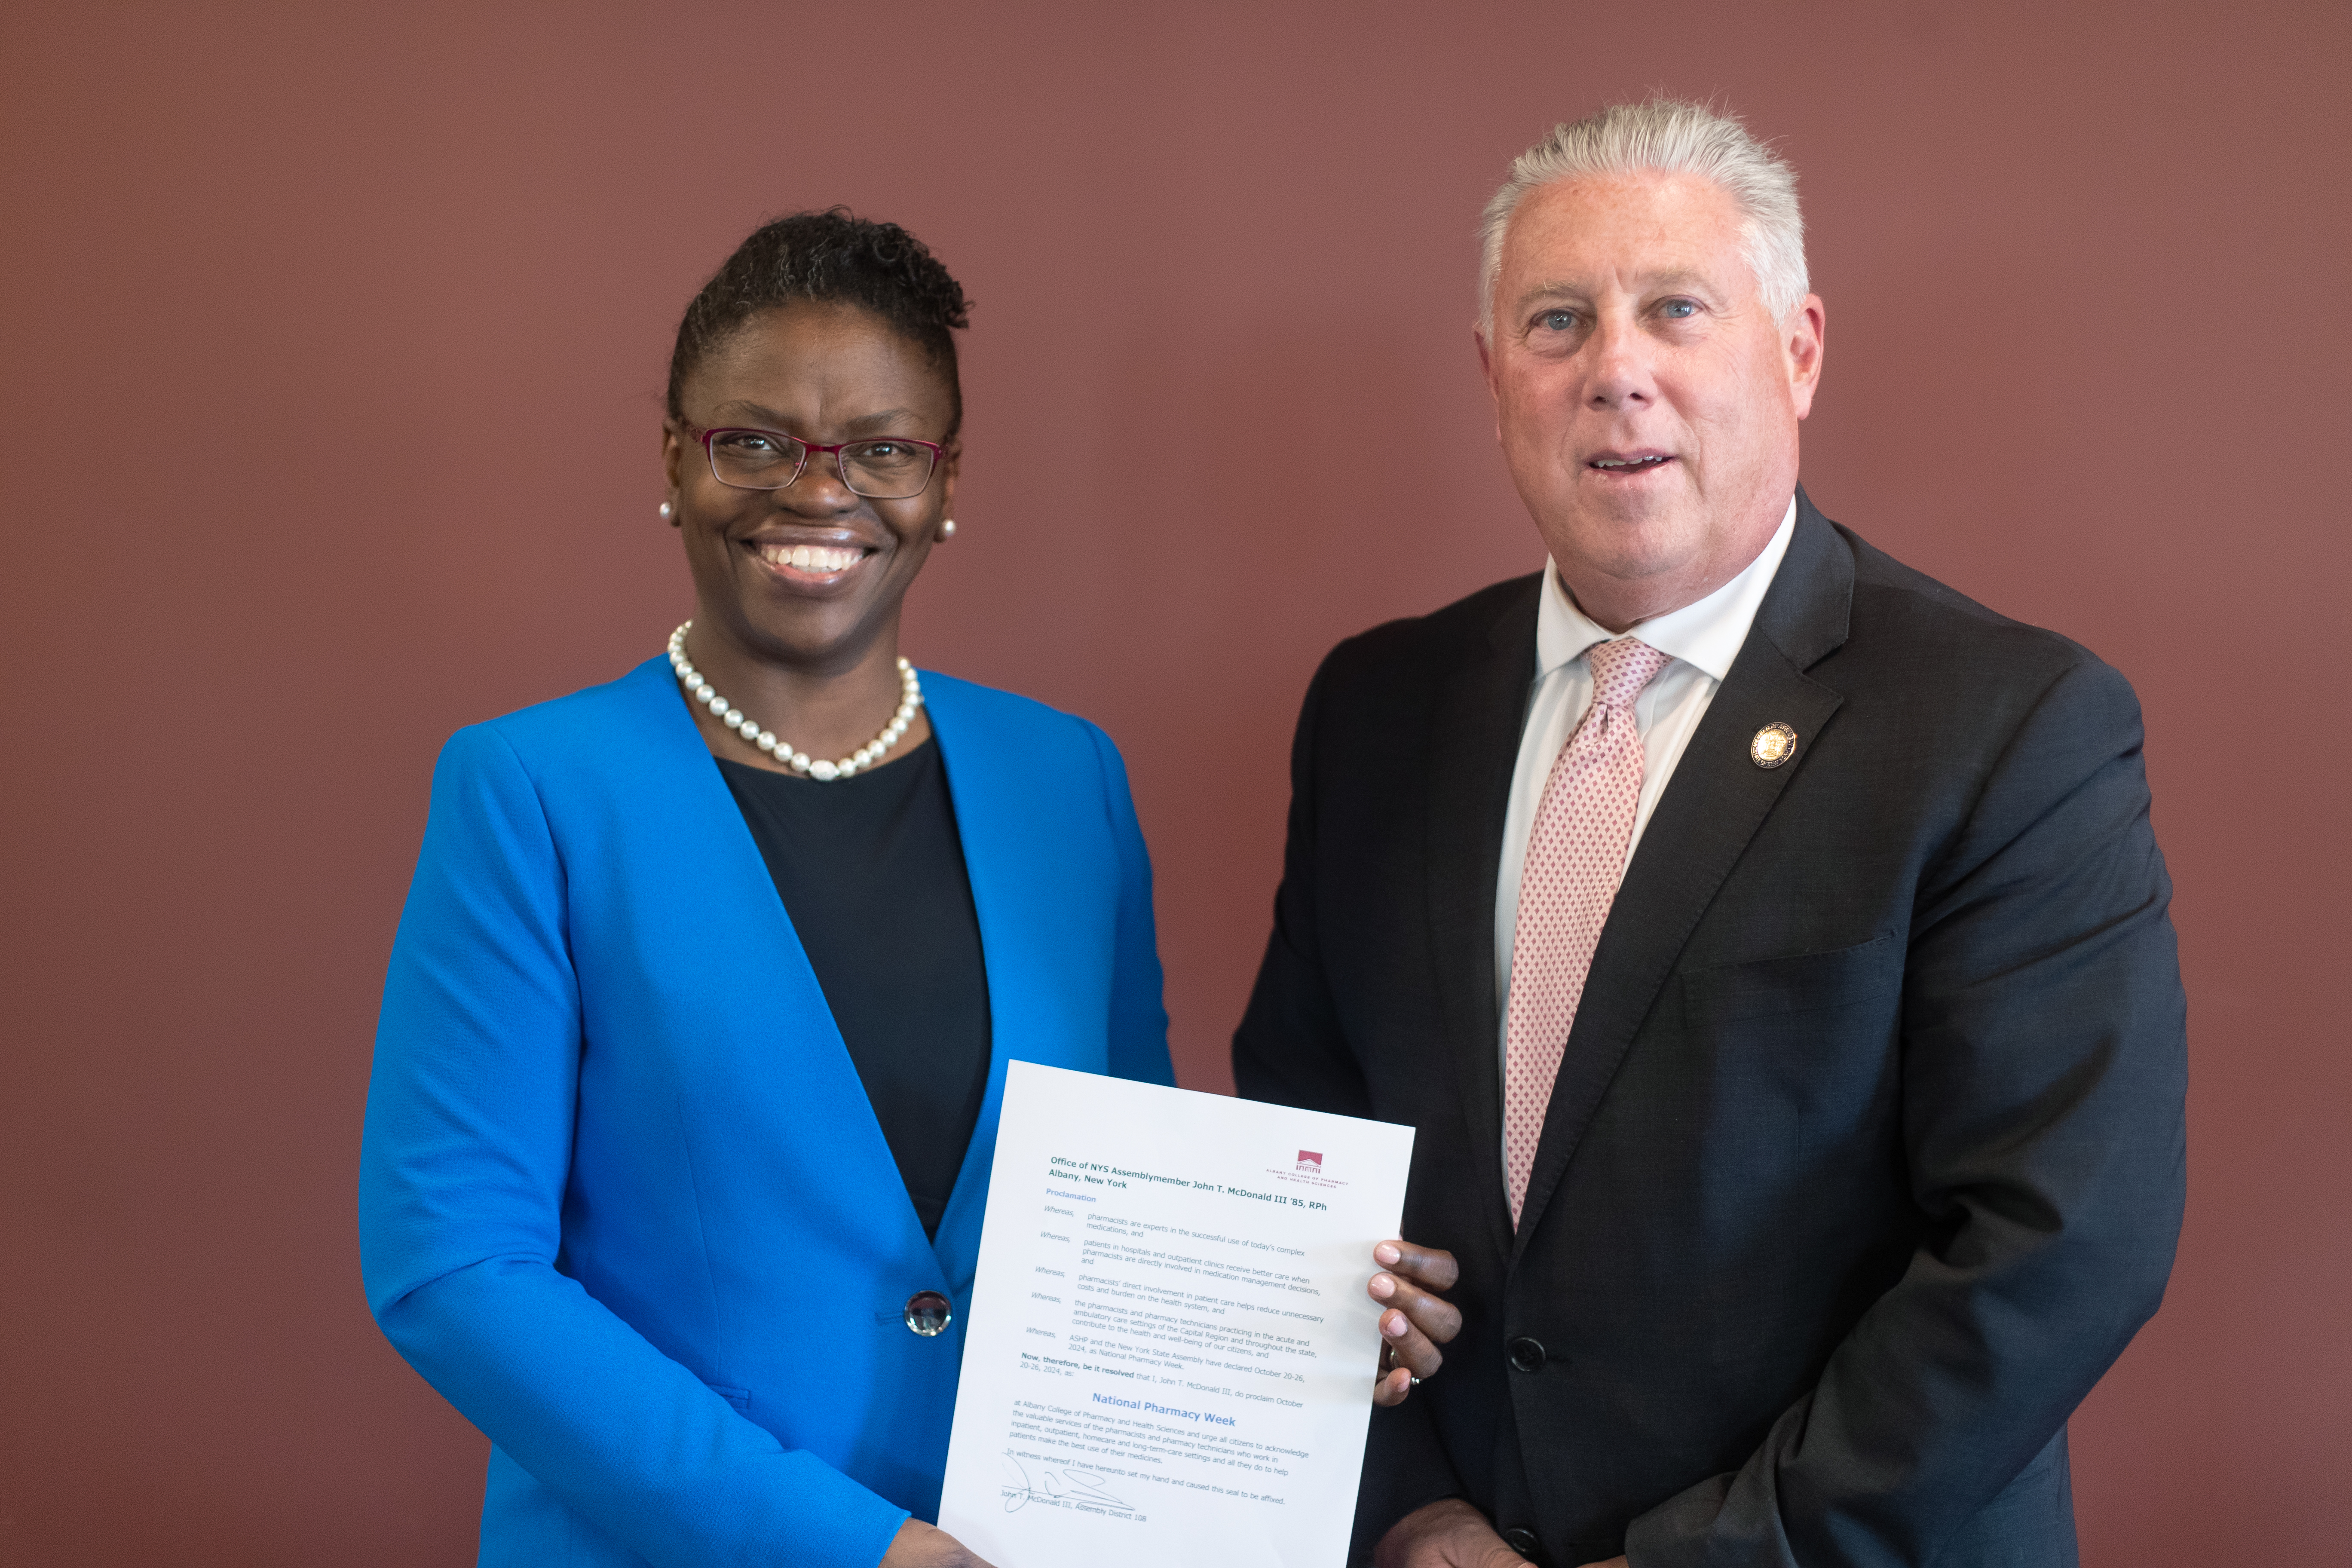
point(334, 338)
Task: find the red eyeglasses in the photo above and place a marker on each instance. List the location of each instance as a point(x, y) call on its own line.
point(887, 467)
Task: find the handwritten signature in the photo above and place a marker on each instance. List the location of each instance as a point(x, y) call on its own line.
point(1055, 1485)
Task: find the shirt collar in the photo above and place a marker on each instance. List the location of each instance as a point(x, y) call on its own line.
point(1707, 634)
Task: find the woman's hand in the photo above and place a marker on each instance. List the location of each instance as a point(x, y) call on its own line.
point(1418, 1320)
point(920, 1546)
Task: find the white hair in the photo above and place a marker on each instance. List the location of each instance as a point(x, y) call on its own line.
point(1669, 136)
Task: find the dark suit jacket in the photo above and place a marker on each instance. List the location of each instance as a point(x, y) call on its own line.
point(1865, 1158)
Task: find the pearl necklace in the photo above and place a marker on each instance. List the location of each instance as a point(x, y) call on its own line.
point(911, 698)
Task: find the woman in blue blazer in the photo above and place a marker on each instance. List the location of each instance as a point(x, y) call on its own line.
point(687, 1081)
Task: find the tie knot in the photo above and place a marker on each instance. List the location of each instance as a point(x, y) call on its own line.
point(1621, 669)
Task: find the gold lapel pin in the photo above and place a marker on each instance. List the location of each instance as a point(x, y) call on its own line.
point(1774, 744)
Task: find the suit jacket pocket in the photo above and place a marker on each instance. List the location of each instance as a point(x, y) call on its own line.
point(1797, 982)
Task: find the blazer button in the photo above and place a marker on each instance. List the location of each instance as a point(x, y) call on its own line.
point(928, 1314)
point(1523, 1542)
point(1527, 1355)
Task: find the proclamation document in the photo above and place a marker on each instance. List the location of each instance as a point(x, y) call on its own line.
point(1171, 1354)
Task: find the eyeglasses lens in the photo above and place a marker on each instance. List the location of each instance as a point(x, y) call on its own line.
point(887, 470)
point(755, 460)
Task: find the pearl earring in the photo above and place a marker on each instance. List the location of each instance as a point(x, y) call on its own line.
point(665, 512)
point(946, 528)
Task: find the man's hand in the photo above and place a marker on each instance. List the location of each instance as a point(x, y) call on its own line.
point(1449, 1534)
point(920, 1545)
point(1418, 1321)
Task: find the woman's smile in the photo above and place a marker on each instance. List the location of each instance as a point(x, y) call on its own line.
point(805, 563)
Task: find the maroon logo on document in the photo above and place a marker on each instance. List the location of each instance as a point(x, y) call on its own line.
point(1307, 1171)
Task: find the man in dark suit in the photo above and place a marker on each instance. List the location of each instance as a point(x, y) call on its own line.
point(1769, 942)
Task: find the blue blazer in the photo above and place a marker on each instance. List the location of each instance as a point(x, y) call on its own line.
point(623, 1200)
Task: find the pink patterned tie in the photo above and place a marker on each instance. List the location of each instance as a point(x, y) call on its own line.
point(1575, 857)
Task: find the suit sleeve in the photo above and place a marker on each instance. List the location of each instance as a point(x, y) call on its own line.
point(1139, 1018)
point(2043, 1071)
point(463, 1170)
point(1292, 1050)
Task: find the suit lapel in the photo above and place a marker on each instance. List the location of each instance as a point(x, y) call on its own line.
point(1019, 893)
point(730, 917)
point(1711, 808)
point(1473, 740)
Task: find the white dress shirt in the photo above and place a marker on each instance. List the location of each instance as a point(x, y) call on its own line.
point(1702, 640)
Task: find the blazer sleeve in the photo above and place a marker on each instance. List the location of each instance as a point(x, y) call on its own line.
point(463, 1170)
point(1138, 1019)
point(2043, 1071)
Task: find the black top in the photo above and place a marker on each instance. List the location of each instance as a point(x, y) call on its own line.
point(871, 870)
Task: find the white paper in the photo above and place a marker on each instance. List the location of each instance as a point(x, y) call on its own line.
point(1170, 1355)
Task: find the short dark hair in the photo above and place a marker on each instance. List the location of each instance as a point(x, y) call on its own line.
point(828, 256)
